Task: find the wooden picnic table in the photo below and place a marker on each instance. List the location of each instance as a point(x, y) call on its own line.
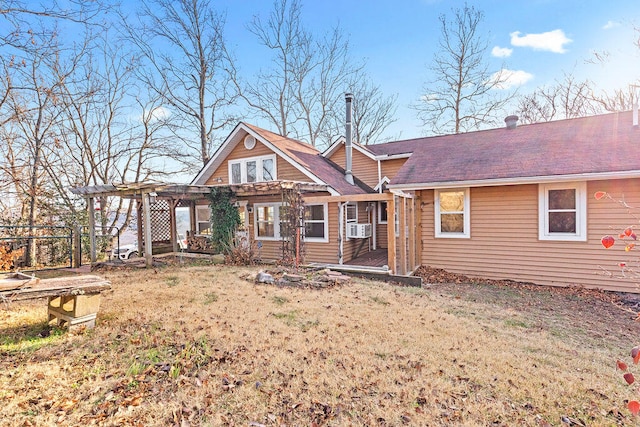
point(73, 301)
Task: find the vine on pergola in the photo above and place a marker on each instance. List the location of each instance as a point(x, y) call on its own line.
point(225, 218)
point(292, 227)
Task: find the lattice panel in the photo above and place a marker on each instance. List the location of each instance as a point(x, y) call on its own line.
point(160, 221)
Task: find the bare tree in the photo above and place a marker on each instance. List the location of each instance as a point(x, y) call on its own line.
point(26, 22)
point(34, 103)
point(619, 99)
point(565, 99)
point(187, 64)
point(302, 91)
point(463, 95)
point(373, 112)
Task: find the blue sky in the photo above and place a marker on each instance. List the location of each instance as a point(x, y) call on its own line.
point(539, 40)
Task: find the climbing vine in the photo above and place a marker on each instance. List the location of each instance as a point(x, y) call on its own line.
point(224, 216)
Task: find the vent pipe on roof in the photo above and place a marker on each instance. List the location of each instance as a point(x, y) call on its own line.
point(511, 121)
point(347, 145)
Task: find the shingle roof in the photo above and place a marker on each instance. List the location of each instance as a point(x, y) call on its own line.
point(591, 145)
point(311, 159)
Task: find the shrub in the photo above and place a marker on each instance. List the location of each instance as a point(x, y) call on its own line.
point(9, 256)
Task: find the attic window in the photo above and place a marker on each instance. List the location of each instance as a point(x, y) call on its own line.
point(253, 169)
point(249, 142)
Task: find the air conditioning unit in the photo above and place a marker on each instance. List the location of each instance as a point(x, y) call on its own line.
point(358, 231)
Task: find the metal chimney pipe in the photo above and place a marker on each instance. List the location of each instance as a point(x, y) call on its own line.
point(348, 143)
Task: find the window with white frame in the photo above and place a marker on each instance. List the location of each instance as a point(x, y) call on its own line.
point(452, 213)
point(252, 169)
point(316, 228)
point(382, 212)
point(350, 215)
point(562, 211)
point(270, 221)
point(265, 221)
point(203, 219)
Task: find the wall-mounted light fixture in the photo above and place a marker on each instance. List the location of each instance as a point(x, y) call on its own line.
point(152, 197)
point(219, 180)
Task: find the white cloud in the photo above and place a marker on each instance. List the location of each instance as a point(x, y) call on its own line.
point(610, 24)
point(552, 41)
point(159, 113)
point(510, 78)
point(501, 52)
point(429, 98)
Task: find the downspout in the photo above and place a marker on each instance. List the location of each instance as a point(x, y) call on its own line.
point(348, 143)
point(379, 177)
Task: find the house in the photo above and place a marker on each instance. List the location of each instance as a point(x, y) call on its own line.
point(345, 204)
point(518, 202)
point(510, 203)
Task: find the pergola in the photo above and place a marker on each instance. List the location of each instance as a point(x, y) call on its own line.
point(146, 192)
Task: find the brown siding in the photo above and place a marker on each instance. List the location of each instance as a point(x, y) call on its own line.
point(285, 170)
point(390, 168)
point(504, 238)
point(325, 252)
point(315, 251)
point(362, 166)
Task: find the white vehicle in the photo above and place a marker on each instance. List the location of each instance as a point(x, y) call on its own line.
point(125, 251)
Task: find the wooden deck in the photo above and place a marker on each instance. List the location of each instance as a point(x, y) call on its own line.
point(377, 258)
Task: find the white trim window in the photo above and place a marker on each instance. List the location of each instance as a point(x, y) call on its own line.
point(253, 169)
point(266, 224)
point(203, 219)
point(382, 212)
point(316, 226)
point(562, 211)
point(269, 220)
point(452, 213)
point(350, 215)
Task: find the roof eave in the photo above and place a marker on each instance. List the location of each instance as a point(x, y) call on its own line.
point(517, 180)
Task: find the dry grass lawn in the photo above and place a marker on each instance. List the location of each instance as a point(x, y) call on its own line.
point(200, 346)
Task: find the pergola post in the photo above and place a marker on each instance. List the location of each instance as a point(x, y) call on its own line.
point(391, 234)
point(146, 214)
point(402, 240)
point(412, 234)
point(92, 229)
point(173, 232)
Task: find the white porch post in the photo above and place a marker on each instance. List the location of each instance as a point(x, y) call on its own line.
point(92, 229)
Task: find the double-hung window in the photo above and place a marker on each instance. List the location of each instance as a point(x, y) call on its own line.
point(271, 221)
point(350, 215)
point(452, 213)
point(562, 211)
point(315, 223)
point(252, 169)
point(266, 225)
point(203, 219)
point(382, 212)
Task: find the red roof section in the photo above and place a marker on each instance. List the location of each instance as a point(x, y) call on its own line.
point(311, 159)
point(590, 145)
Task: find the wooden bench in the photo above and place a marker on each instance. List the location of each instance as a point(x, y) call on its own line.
point(74, 301)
